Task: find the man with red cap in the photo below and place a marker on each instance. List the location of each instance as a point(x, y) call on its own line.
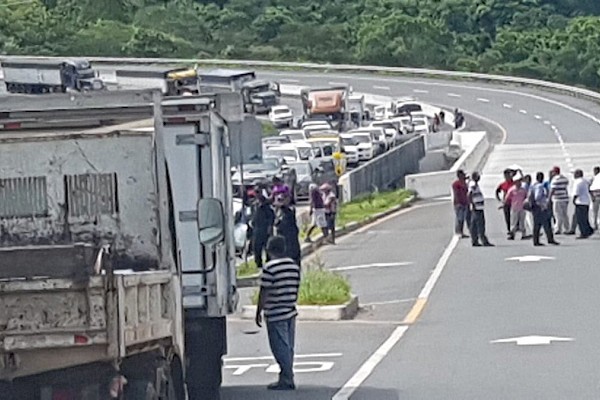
point(559, 196)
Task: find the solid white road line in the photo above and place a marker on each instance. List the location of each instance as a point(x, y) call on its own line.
point(481, 99)
point(420, 91)
point(316, 355)
point(381, 87)
point(453, 95)
point(373, 265)
point(367, 368)
point(441, 264)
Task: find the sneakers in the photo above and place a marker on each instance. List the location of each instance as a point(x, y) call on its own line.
point(281, 386)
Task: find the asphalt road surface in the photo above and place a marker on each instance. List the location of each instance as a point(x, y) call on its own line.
point(508, 322)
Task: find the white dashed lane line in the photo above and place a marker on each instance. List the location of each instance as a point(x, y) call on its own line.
point(453, 95)
point(546, 122)
point(381, 87)
point(538, 117)
point(523, 111)
point(507, 105)
point(337, 83)
point(420, 91)
point(481, 99)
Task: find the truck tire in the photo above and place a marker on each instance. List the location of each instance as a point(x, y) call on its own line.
point(140, 390)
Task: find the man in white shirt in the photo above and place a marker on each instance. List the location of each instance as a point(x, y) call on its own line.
point(582, 201)
point(595, 192)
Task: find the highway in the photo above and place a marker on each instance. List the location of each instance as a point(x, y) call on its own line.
point(443, 320)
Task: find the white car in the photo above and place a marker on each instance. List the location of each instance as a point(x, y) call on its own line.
point(391, 130)
point(281, 116)
point(308, 123)
point(290, 153)
point(294, 135)
point(350, 148)
point(420, 125)
point(383, 111)
point(378, 135)
point(367, 149)
point(316, 128)
point(405, 124)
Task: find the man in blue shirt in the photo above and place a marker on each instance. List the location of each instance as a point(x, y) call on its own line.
point(540, 208)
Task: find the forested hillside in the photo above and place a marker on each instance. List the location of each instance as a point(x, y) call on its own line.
point(548, 39)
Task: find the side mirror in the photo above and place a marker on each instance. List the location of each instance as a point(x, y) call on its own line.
point(211, 222)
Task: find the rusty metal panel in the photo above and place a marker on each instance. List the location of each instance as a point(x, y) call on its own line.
point(23, 197)
point(91, 195)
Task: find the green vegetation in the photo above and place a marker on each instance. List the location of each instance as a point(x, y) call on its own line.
point(364, 207)
point(549, 39)
point(245, 270)
point(320, 287)
point(268, 129)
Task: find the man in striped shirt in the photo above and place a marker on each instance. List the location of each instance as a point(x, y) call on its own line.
point(559, 196)
point(477, 213)
point(278, 294)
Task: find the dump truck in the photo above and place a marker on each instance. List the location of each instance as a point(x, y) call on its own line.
point(258, 95)
point(329, 102)
point(38, 76)
point(170, 81)
point(116, 254)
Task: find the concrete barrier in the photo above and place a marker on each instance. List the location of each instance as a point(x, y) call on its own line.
point(476, 147)
point(384, 172)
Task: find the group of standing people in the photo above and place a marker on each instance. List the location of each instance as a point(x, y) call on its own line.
point(541, 205)
point(548, 202)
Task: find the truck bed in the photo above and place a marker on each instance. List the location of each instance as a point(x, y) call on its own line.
point(54, 322)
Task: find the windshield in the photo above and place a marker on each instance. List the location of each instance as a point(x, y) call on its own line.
point(295, 135)
point(260, 167)
point(282, 153)
point(418, 122)
point(348, 141)
point(362, 138)
point(301, 168)
point(273, 161)
point(385, 125)
point(261, 88)
point(305, 153)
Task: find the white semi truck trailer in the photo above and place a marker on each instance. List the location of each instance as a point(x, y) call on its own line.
point(38, 76)
point(116, 247)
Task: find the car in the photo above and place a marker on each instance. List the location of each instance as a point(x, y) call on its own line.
point(318, 172)
point(264, 172)
point(312, 129)
point(281, 115)
point(272, 141)
point(291, 152)
point(379, 139)
point(420, 125)
point(294, 135)
point(405, 123)
point(312, 122)
point(408, 107)
point(367, 149)
point(391, 130)
point(383, 111)
point(349, 146)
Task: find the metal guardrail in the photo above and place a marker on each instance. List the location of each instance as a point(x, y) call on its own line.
point(572, 90)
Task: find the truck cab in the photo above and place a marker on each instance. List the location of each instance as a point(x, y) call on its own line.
point(78, 75)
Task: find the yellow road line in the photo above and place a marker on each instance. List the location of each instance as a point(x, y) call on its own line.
point(415, 311)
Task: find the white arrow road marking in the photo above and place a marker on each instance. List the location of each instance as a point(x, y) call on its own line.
point(242, 369)
point(374, 265)
point(481, 99)
point(316, 355)
point(420, 91)
point(529, 258)
point(304, 366)
point(533, 340)
point(507, 105)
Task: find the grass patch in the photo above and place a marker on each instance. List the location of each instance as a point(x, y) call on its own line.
point(320, 287)
point(364, 207)
point(268, 129)
point(247, 269)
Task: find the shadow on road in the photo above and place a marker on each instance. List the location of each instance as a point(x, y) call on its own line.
point(301, 393)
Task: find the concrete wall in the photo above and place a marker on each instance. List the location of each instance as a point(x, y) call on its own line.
point(384, 172)
point(131, 230)
point(436, 184)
